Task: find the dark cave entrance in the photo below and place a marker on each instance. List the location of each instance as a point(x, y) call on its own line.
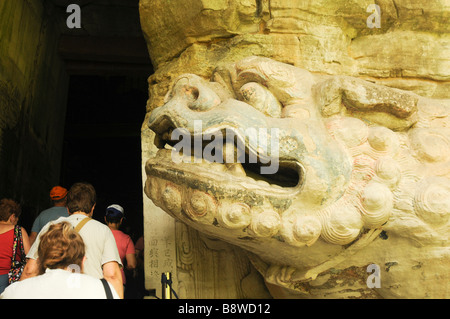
point(73, 101)
point(108, 64)
point(102, 142)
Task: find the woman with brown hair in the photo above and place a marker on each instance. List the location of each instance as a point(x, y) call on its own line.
point(11, 236)
point(61, 257)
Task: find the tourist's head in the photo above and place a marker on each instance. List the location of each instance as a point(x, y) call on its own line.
point(60, 247)
point(81, 198)
point(9, 210)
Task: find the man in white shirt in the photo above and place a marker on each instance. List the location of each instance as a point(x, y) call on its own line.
point(102, 256)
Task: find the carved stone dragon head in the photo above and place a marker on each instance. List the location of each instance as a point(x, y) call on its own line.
point(317, 177)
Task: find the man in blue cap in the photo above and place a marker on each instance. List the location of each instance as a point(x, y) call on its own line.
point(114, 217)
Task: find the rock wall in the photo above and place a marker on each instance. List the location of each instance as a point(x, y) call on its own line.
point(410, 50)
point(33, 89)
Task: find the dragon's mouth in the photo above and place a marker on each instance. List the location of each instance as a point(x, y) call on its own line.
point(228, 160)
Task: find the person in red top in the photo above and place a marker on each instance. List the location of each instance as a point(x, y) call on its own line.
point(9, 216)
point(114, 217)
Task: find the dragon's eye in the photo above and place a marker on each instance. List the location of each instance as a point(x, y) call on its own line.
point(191, 92)
point(261, 99)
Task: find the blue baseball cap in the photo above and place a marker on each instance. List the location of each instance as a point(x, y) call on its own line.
point(114, 211)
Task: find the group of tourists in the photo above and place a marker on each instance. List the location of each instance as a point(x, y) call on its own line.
point(68, 254)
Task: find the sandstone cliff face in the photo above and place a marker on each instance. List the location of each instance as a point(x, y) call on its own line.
point(409, 50)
